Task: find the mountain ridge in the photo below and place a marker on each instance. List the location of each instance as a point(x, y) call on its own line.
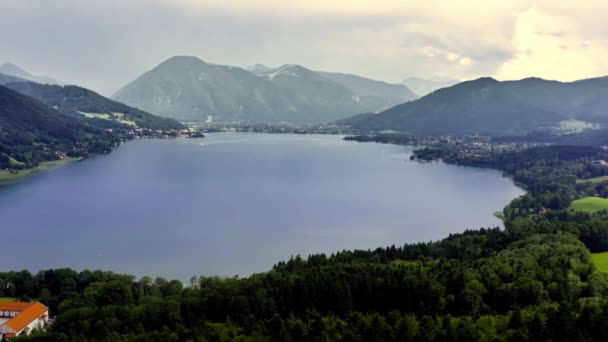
point(74, 101)
point(481, 106)
point(14, 70)
point(190, 89)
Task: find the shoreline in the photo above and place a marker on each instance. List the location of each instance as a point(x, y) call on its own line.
point(9, 177)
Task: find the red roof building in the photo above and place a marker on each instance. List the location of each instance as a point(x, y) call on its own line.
point(17, 318)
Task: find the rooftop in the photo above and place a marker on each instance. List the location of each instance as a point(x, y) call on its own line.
point(28, 312)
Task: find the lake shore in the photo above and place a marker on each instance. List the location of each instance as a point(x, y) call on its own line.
point(12, 177)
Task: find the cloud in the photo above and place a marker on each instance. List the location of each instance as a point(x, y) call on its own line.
point(105, 44)
point(551, 45)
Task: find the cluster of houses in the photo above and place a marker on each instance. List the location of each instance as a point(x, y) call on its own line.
point(20, 318)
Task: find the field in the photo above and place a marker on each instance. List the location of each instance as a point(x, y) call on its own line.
point(7, 299)
point(576, 126)
point(590, 204)
point(118, 117)
point(601, 261)
point(593, 180)
point(8, 177)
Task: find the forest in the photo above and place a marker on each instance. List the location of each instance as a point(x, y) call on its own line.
point(534, 280)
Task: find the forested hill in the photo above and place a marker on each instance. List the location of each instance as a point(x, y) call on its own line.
point(489, 107)
point(31, 132)
point(86, 104)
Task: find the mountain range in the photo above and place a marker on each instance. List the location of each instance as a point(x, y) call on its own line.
point(488, 106)
point(11, 69)
point(189, 89)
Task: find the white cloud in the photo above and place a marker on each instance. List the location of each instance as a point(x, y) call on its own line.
point(383, 39)
point(554, 46)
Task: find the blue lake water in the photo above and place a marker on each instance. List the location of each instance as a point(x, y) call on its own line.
point(237, 203)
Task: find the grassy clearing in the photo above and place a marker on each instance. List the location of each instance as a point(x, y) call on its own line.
point(7, 299)
point(590, 204)
point(593, 180)
point(118, 117)
point(10, 177)
point(127, 122)
point(97, 116)
point(601, 261)
point(576, 126)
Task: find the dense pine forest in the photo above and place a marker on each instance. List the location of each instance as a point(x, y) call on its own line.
point(533, 280)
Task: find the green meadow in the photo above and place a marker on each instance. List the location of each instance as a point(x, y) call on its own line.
point(593, 180)
point(601, 261)
point(590, 204)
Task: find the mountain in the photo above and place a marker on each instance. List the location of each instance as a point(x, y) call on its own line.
point(31, 132)
point(317, 95)
point(423, 87)
point(379, 93)
point(11, 69)
point(6, 79)
point(188, 89)
point(583, 99)
point(259, 69)
point(82, 103)
point(483, 106)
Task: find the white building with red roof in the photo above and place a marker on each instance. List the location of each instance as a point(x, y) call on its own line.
point(17, 318)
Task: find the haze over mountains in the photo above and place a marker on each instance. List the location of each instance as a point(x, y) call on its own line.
point(11, 69)
point(487, 106)
point(423, 87)
point(189, 89)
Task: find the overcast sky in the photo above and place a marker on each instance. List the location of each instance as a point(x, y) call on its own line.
point(105, 44)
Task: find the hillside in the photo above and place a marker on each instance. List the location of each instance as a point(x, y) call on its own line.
point(31, 132)
point(188, 89)
point(6, 79)
point(85, 104)
point(487, 106)
point(482, 106)
point(11, 69)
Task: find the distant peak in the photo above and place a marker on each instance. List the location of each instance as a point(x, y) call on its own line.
point(259, 66)
point(184, 59)
point(12, 69)
point(486, 79)
point(291, 66)
point(259, 69)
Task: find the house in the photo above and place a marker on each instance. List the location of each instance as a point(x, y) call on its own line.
point(17, 318)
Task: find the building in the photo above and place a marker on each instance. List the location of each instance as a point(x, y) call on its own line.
point(17, 318)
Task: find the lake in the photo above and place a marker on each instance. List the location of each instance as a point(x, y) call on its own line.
point(237, 203)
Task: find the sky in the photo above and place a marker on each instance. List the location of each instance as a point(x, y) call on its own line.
point(105, 44)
